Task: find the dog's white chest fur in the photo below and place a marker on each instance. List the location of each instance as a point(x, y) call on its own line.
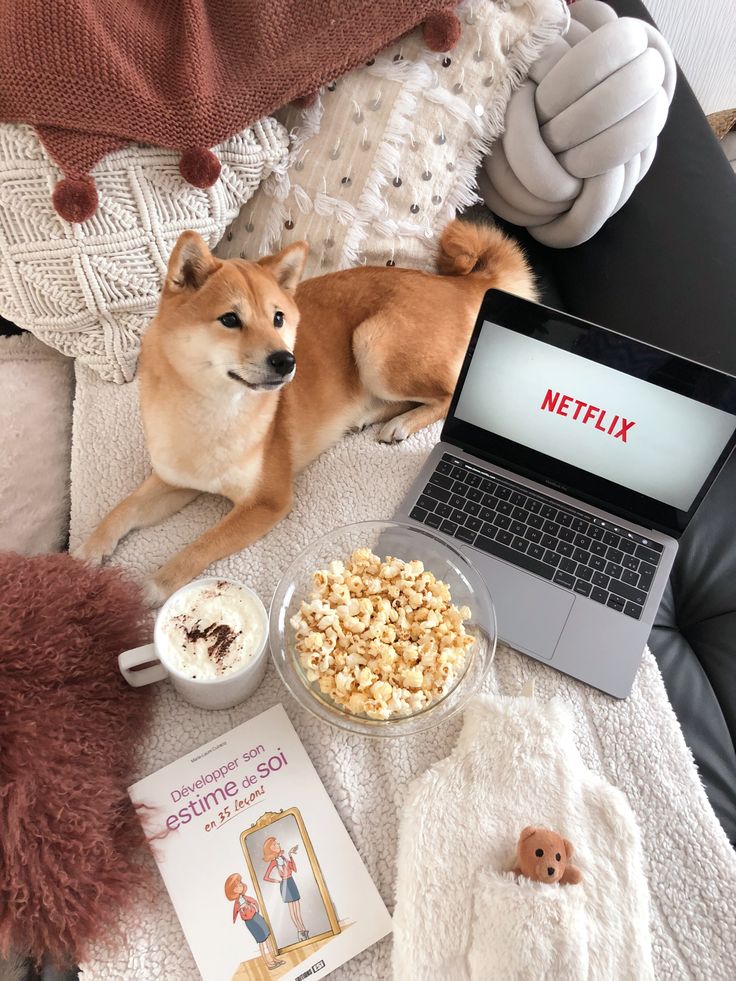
point(221, 475)
point(223, 452)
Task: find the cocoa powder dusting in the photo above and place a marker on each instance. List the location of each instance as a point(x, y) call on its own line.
point(219, 638)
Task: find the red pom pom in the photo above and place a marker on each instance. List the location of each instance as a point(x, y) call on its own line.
point(75, 198)
point(199, 166)
point(305, 101)
point(441, 31)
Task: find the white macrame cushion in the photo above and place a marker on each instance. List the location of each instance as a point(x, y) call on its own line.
point(90, 289)
point(582, 131)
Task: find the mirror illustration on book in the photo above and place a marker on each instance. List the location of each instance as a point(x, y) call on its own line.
point(292, 896)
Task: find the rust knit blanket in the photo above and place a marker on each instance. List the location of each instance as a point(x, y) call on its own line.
point(93, 75)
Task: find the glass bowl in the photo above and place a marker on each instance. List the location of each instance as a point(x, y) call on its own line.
point(402, 541)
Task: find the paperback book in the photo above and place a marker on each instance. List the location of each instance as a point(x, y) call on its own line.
point(260, 869)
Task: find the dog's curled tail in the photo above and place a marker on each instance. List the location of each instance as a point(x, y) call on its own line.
point(470, 249)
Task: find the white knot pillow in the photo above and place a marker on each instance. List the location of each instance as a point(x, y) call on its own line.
point(582, 130)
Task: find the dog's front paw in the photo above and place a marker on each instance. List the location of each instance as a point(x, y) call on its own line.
point(394, 431)
point(154, 593)
point(89, 552)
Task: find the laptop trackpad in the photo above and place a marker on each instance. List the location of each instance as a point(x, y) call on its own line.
point(530, 612)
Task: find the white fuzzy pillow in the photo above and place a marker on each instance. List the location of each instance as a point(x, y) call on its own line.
point(390, 152)
point(37, 386)
point(90, 289)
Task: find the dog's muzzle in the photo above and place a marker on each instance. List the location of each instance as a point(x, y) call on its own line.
point(282, 362)
point(268, 384)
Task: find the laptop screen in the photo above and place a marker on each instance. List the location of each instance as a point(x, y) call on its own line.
point(642, 420)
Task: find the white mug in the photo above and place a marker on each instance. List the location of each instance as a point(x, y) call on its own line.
point(223, 691)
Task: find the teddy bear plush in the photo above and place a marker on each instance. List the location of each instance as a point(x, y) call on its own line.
point(544, 855)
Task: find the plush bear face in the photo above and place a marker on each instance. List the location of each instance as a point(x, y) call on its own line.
point(543, 855)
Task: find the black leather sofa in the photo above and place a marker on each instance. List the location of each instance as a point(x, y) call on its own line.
point(664, 270)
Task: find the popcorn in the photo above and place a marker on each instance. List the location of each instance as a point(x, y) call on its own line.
point(381, 638)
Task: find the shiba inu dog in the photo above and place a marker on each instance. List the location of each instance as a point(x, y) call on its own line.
point(236, 401)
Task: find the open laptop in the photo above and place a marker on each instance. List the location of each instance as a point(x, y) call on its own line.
point(571, 460)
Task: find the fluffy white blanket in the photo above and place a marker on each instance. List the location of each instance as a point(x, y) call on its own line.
point(635, 744)
point(461, 914)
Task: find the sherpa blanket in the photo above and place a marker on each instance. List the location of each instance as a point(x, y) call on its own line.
point(635, 744)
point(94, 75)
point(462, 914)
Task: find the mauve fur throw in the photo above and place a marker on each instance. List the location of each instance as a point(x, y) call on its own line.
point(68, 728)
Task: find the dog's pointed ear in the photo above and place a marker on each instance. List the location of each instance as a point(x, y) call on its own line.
point(527, 832)
point(568, 847)
point(191, 263)
point(287, 266)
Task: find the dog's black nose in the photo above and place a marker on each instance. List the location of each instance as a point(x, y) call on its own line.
point(550, 871)
point(282, 362)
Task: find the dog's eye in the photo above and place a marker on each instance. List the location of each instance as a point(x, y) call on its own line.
point(558, 857)
point(278, 319)
point(230, 319)
point(539, 853)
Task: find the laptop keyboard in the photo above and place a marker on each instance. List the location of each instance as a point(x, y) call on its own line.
point(576, 550)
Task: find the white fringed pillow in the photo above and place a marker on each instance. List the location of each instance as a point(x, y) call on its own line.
point(390, 152)
point(90, 289)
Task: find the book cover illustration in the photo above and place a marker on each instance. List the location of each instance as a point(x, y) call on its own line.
point(261, 871)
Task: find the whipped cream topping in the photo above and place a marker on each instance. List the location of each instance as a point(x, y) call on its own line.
point(212, 630)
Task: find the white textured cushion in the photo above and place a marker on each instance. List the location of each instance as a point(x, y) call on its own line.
point(90, 289)
point(582, 130)
point(391, 151)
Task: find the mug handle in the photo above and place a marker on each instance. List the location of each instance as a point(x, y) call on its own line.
point(139, 655)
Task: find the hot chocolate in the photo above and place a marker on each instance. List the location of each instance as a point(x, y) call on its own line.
point(212, 630)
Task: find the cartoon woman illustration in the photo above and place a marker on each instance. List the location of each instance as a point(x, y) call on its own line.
point(246, 907)
point(285, 866)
